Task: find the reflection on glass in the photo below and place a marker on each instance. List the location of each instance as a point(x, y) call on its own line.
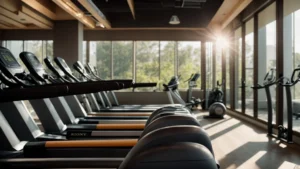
point(188, 61)
point(84, 54)
point(147, 61)
point(249, 42)
point(35, 47)
point(238, 70)
point(100, 57)
point(122, 59)
point(16, 47)
point(167, 62)
point(266, 58)
point(228, 65)
point(219, 64)
point(292, 57)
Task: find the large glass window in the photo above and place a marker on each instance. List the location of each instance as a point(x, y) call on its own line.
point(209, 69)
point(147, 61)
point(122, 59)
point(167, 62)
point(219, 64)
point(266, 56)
point(238, 69)
point(249, 49)
point(228, 66)
point(16, 47)
point(100, 57)
point(35, 47)
point(292, 54)
point(188, 61)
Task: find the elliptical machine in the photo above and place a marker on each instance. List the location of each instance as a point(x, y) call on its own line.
point(284, 133)
point(192, 84)
point(216, 107)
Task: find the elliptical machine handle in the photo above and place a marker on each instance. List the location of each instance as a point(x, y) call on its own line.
point(293, 75)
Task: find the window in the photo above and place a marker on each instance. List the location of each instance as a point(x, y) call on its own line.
point(228, 63)
point(266, 56)
point(292, 53)
point(219, 64)
point(238, 68)
point(84, 54)
point(147, 61)
point(167, 62)
point(35, 47)
point(249, 49)
point(209, 69)
point(188, 61)
point(122, 59)
point(100, 57)
point(16, 47)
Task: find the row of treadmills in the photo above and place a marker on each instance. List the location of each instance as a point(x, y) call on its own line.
point(82, 128)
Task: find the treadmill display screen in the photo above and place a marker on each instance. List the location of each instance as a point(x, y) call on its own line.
point(8, 59)
point(33, 60)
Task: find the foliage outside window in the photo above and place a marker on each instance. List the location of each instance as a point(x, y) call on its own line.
point(188, 61)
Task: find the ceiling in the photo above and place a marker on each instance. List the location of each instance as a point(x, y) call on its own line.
point(157, 13)
point(200, 15)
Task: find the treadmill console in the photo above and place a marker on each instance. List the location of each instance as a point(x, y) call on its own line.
point(12, 73)
point(34, 66)
point(195, 77)
point(61, 63)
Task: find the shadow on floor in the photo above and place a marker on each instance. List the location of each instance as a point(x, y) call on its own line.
point(264, 154)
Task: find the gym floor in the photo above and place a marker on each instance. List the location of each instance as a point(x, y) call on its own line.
point(238, 144)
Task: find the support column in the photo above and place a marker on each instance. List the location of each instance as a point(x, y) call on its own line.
point(68, 40)
point(279, 60)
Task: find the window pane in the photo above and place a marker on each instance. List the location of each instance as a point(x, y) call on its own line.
point(209, 69)
point(122, 59)
point(49, 48)
point(167, 61)
point(35, 47)
point(100, 56)
point(3, 43)
point(249, 42)
point(238, 69)
point(266, 60)
point(188, 61)
point(219, 64)
point(292, 56)
point(147, 61)
point(16, 47)
point(228, 65)
point(84, 54)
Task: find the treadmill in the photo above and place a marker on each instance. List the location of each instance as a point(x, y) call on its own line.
point(63, 106)
point(14, 76)
point(80, 68)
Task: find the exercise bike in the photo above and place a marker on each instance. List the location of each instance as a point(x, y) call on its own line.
point(216, 107)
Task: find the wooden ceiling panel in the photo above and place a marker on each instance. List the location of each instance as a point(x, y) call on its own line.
point(39, 6)
point(226, 13)
point(11, 21)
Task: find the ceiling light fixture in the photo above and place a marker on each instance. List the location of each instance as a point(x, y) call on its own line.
point(174, 20)
point(100, 25)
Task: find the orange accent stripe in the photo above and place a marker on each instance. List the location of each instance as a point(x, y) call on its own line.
point(120, 126)
point(120, 114)
point(92, 143)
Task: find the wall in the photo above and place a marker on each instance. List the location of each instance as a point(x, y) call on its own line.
point(26, 35)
